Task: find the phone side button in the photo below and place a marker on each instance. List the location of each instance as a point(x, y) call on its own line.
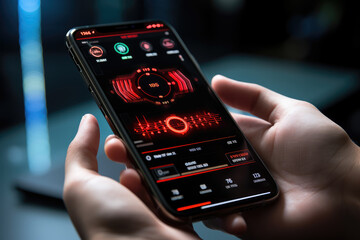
point(79, 68)
point(74, 59)
point(96, 99)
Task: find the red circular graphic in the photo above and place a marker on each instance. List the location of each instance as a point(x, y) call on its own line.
point(168, 43)
point(146, 46)
point(175, 130)
point(96, 51)
point(154, 85)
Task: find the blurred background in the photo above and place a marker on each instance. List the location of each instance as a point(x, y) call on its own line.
point(303, 49)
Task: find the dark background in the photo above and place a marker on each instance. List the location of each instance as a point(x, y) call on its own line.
point(304, 49)
point(322, 32)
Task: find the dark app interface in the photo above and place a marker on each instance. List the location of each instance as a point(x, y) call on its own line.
point(192, 149)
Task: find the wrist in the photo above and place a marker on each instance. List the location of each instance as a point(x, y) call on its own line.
point(352, 178)
point(350, 194)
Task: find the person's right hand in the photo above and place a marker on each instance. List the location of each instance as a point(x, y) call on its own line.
point(313, 160)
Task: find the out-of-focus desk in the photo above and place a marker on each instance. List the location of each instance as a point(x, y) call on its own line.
point(30, 220)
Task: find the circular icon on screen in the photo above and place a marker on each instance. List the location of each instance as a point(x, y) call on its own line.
point(96, 51)
point(154, 85)
point(146, 46)
point(167, 43)
point(177, 124)
point(121, 48)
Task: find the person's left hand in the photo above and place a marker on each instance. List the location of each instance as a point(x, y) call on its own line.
point(102, 208)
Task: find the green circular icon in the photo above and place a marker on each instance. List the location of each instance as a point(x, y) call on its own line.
point(121, 48)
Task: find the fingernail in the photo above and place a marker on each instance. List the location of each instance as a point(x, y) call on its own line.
point(84, 117)
point(109, 138)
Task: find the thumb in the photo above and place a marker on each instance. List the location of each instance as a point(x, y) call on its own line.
point(82, 151)
point(251, 98)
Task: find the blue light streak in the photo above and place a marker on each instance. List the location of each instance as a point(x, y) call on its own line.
point(37, 136)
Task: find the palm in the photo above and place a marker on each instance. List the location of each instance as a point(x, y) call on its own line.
point(302, 149)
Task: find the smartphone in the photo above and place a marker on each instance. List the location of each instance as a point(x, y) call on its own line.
point(190, 153)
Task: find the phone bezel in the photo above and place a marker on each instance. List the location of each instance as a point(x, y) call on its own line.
point(119, 129)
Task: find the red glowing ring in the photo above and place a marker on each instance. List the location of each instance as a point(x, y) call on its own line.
point(182, 131)
point(96, 51)
point(161, 77)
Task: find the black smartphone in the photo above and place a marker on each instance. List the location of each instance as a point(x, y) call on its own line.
point(191, 154)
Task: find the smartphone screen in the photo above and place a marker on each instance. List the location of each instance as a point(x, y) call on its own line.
point(190, 151)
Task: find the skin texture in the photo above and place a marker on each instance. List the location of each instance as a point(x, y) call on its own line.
point(314, 162)
point(102, 208)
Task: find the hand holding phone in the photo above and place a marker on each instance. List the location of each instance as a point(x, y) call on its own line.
point(190, 153)
point(310, 202)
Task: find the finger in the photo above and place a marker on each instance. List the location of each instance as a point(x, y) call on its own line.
point(251, 98)
point(82, 151)
point(132, 180)
point(116, 151)
point(233, 224)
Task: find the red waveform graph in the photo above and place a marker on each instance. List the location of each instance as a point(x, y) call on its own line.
point(175, 124)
